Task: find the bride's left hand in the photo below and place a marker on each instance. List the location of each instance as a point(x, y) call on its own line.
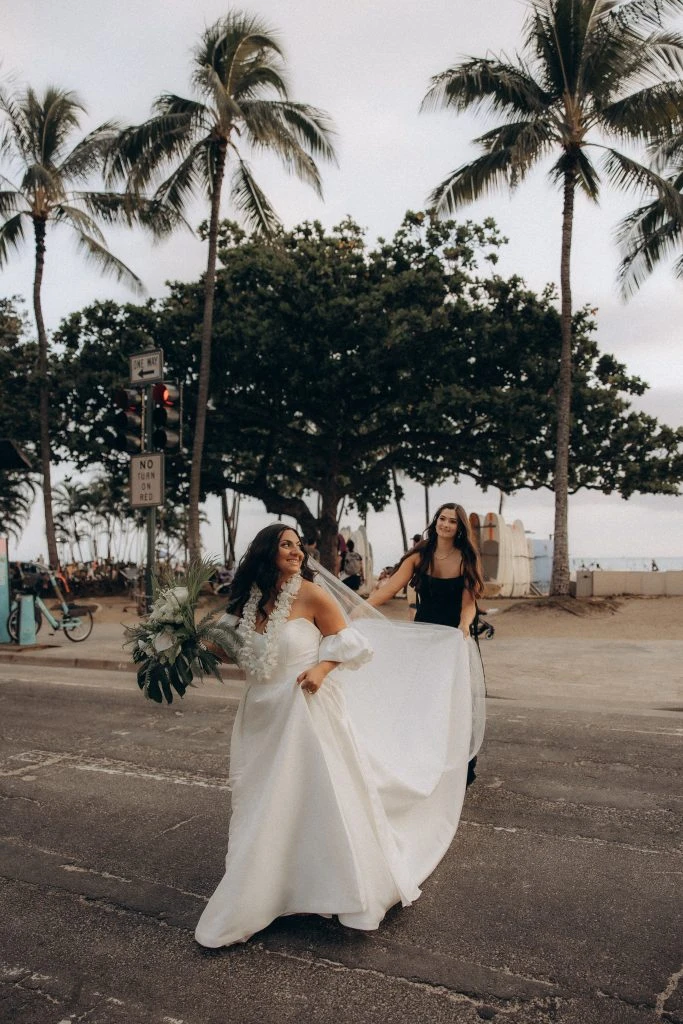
point(312, 679)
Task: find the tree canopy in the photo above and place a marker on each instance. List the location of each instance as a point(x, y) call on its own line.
point(335, 363)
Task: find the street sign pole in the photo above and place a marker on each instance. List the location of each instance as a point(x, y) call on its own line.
point(151, 511)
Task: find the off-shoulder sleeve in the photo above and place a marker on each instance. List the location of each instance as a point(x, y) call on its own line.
point(349, 647)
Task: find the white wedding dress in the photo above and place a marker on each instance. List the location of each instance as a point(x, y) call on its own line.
point(344, 801)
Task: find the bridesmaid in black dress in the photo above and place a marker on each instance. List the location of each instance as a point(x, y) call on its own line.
point(445, 570)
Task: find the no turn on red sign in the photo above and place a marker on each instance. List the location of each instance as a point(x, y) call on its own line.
point(147, 480)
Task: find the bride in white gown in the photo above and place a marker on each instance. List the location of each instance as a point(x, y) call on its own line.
point(346, 785)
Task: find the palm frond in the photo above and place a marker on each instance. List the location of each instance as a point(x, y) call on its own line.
point(88, 155)
point(16, 137)
point(11, 236)
point(652, 232)
point(617, 65)
point(266, 129)
point(490, 84)
point(261, 78)
point(472, 181)
point(625, 14)
point(646, 115)
point(80, 220)
point(251, 201)
point(555, 33)
point(223, 104)
point(668, 150)
point(645, 250)
point(51, 119)
point(193, 176)
point(11, 201)
point(106, 261)
point(232, 47)
point(142, 153)
point(312, 128)
point(626, 173)
point(527, 141)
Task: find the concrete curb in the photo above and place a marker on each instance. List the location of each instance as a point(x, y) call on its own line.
point(28, 656)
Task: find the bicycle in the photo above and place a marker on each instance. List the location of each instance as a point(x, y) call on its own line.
point(75, 620)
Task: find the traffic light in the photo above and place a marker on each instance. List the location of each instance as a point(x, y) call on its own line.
point(128, 420)
point(166, 418)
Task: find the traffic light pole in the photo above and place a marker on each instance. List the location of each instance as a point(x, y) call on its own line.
point(151, 511)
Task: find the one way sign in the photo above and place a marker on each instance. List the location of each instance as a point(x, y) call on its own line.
point(147, 367)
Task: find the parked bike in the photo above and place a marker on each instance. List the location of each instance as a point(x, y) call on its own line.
point(75, 620)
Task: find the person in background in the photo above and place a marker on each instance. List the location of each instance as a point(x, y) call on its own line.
point(445, 570)
point(352, 567)
point(311, 548)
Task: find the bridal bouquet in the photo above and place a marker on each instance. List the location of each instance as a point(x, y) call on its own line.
point(169, 646)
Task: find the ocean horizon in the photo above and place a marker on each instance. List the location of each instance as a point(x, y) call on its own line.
point(626, 564)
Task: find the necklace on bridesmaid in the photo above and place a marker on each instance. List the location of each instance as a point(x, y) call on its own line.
point(442, 558)
point(261, 664)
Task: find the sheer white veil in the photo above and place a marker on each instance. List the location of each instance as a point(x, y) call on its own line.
point(352, 605)
point(360, 614)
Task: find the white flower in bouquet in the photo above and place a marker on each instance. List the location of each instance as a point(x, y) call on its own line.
point(168, 607)
point(170, 647)
point(163, 642)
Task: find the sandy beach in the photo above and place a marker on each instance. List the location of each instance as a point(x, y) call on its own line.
point(617, 618)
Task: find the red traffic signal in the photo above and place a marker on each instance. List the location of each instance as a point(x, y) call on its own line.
point(128, 421)
point(166, 407)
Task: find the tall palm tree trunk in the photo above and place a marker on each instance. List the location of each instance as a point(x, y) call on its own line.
point(44, 392)
point(193, 539)
point(399, 509)
point(559, 583)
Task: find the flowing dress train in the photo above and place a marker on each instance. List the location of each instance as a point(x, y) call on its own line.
point(343, 801)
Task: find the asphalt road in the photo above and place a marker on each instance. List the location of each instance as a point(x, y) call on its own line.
point(555, 903)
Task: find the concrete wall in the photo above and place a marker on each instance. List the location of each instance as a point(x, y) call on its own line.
point(647, 584)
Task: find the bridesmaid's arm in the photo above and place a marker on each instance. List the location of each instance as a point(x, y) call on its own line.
point(467, 612)
point(390, 588)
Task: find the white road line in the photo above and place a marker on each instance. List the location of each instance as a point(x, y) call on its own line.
point(37, 760)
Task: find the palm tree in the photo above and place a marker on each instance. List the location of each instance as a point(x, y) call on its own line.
point(71, 503)
point(655, 230)
point(592, 72)
point(238, 74)
point(16, 499)
point(36, 135)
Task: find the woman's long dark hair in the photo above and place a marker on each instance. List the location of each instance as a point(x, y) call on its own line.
point(257, 565)
point(463, 541)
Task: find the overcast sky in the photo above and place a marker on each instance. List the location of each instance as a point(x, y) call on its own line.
point(368, 63)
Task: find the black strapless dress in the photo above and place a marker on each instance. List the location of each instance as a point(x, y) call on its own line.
point(440, 601)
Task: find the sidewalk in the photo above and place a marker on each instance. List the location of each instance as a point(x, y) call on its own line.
point(102, 651)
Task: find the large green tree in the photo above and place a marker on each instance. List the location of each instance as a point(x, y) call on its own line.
point(18, 412)
point(46, 170)
point(336, 364)
point(239, 77)
point(592, 72)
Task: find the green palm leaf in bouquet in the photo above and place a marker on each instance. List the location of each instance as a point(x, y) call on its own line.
point(170, 647)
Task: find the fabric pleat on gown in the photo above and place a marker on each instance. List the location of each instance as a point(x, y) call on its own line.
point(344, 801)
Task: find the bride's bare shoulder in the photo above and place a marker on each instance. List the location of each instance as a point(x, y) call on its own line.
point(309, 590)
point(315, 595)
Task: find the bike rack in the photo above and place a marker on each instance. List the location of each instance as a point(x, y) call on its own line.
point(27, 620)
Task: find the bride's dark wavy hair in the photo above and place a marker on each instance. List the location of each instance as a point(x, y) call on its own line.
point(462, 540)
point(257, 565)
